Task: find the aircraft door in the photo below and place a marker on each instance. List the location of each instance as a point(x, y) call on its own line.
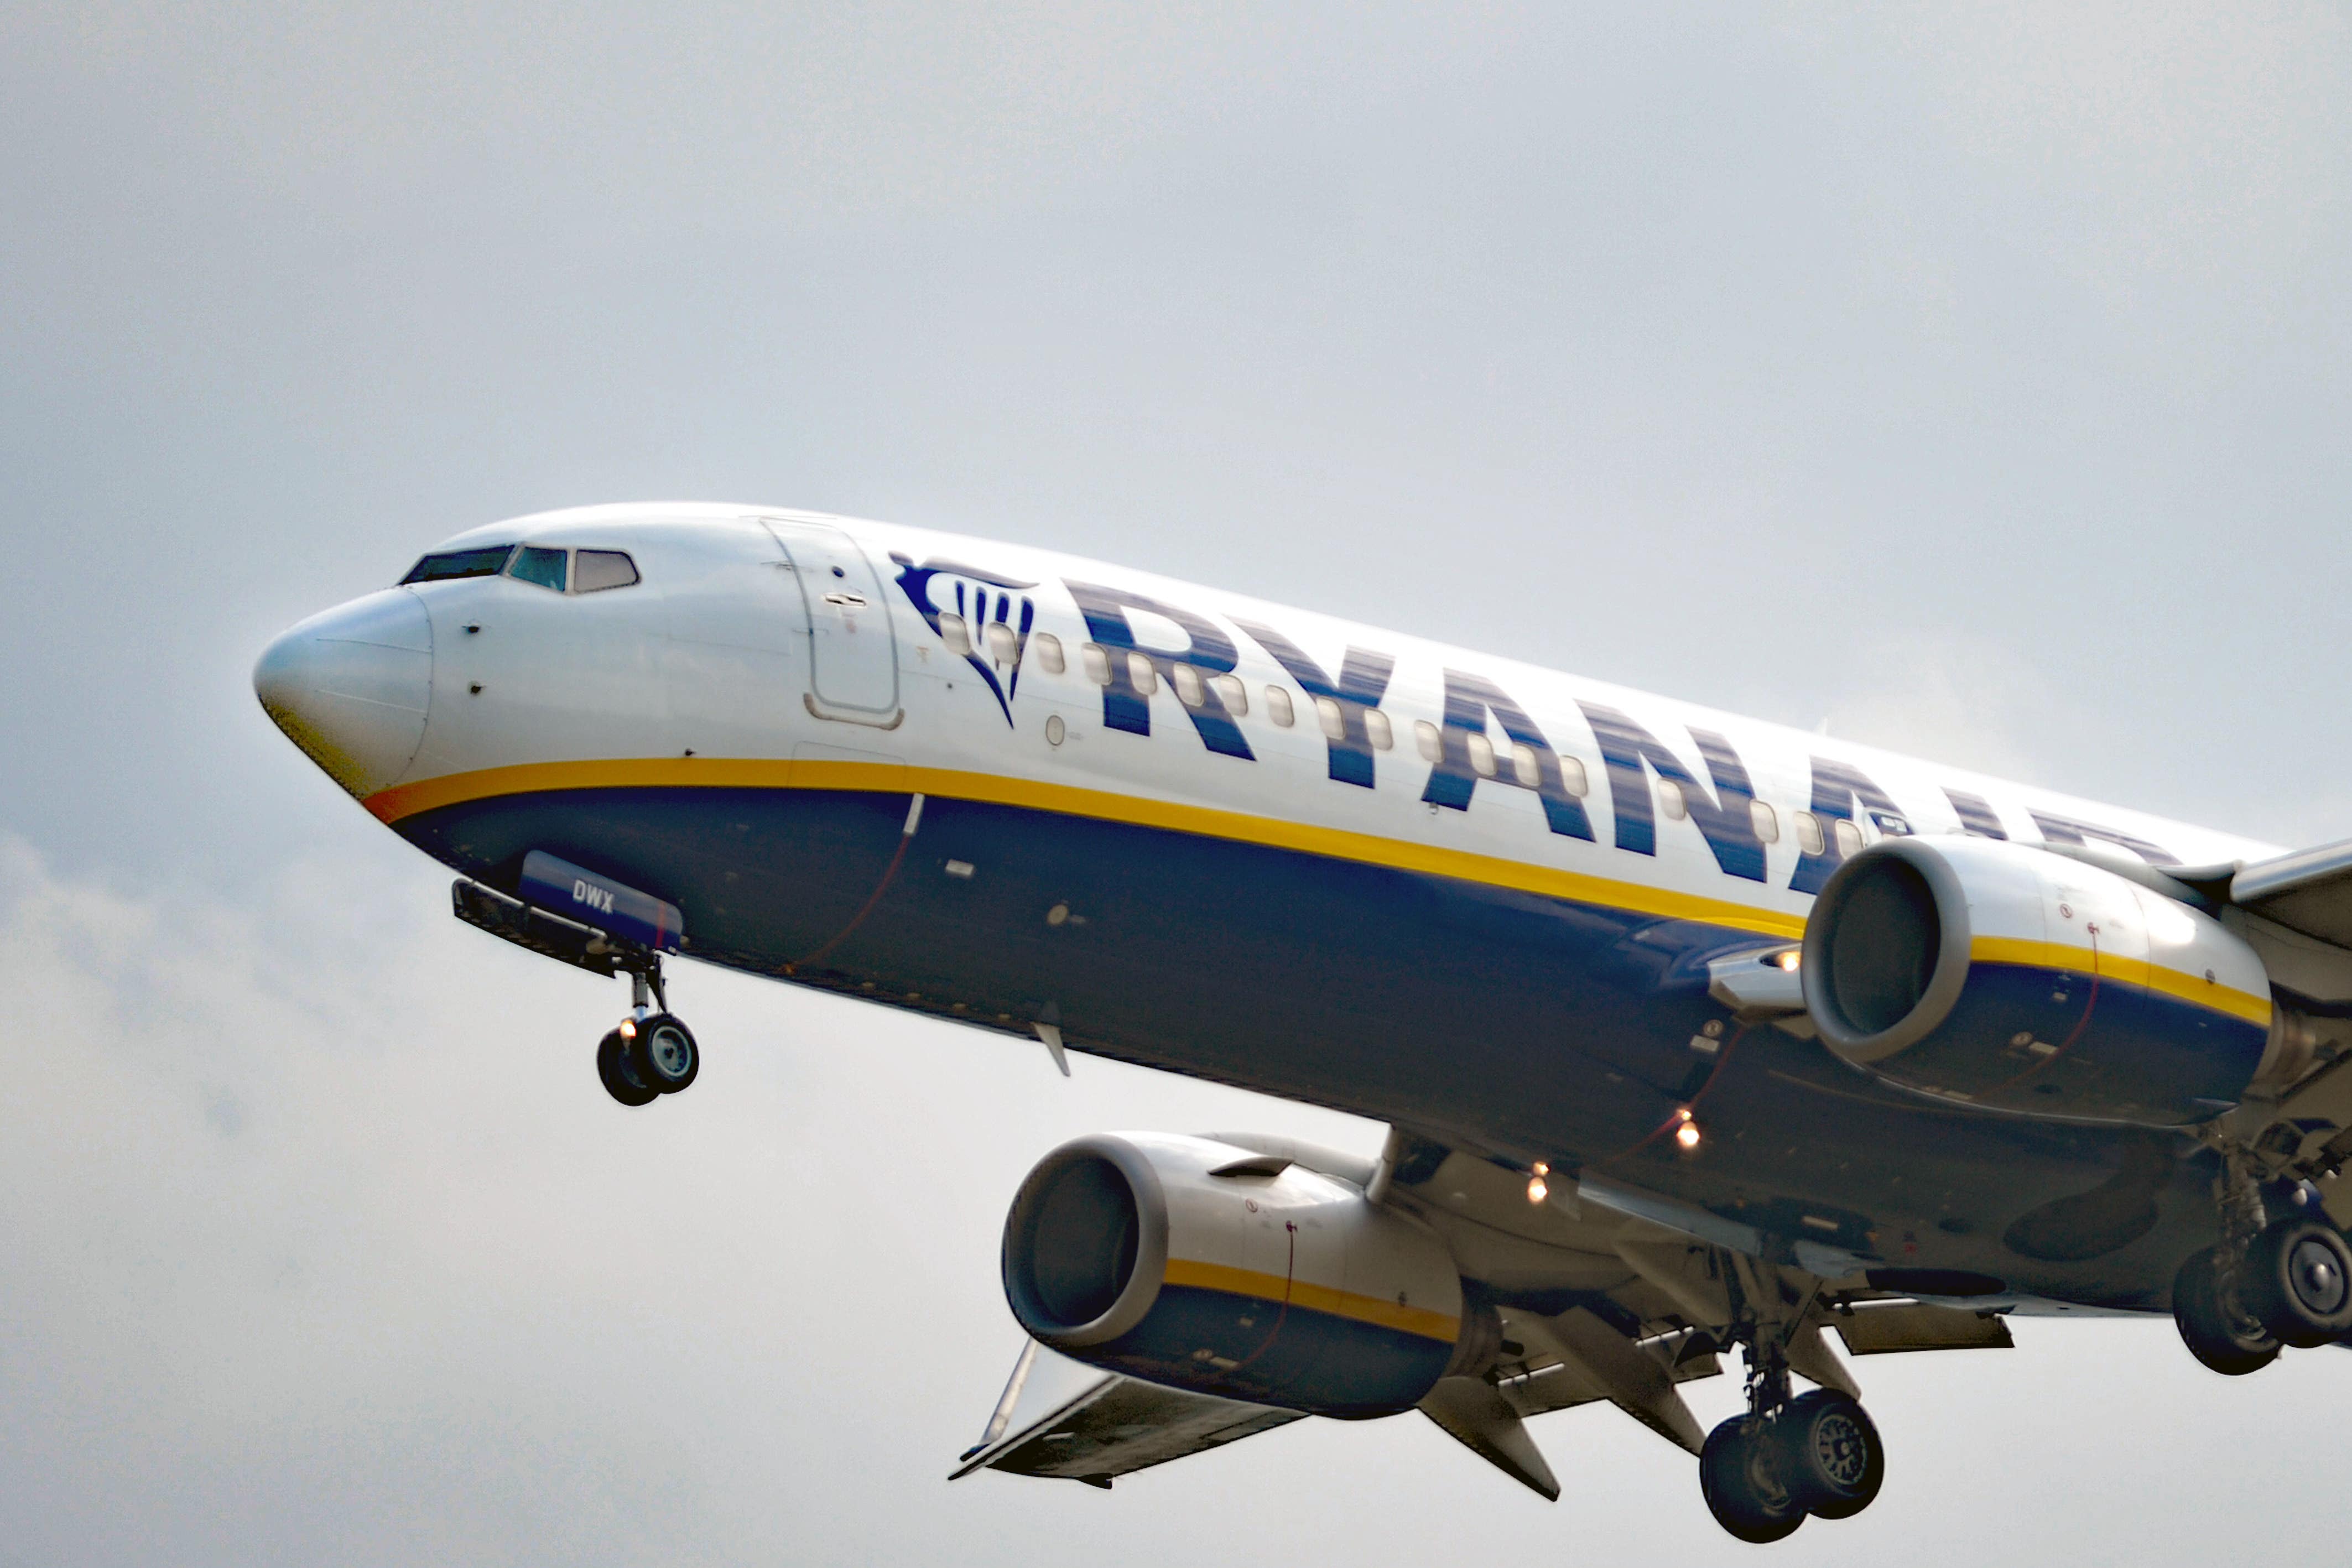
point(853, 657)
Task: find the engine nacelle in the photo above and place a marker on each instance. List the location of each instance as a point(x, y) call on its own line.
point(1188, 1261)
point(2004, 976)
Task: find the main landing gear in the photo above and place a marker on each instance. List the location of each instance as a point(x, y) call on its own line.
point(651, 1053)
point(2264, 1286)
point(1817, 1453)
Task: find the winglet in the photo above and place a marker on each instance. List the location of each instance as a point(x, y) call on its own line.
point(1475, 1414)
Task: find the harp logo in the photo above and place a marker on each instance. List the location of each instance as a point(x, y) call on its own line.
point(979, 614)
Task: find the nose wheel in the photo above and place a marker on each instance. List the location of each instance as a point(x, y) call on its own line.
point(651, 1053)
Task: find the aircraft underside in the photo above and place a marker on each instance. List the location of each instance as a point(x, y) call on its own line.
point(1528, 1029)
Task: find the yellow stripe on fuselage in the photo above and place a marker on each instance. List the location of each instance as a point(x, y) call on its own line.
point(1336, 843)
point(1250, 1282)
point(406, 800)
point(2193, 989)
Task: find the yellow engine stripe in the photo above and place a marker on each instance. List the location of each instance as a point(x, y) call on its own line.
point(1336, 843)
point(2193, 989)
point(1234, 1281)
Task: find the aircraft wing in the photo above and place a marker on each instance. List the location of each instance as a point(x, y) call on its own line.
point(1063, 1420)
point(1608, 1294)
point(2309, 891)
point(1602, 1296)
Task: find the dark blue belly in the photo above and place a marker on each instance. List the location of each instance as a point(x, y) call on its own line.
point(1527, 1027)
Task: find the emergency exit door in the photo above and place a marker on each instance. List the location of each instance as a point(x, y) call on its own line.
point(852, 658)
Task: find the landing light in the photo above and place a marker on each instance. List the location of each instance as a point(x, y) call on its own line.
point(1535, 1190)
point(1790, 959)
point(1687, 1134)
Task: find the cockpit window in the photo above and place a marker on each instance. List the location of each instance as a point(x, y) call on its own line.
point(538, 564)
point(487, 561)
point(597, 569)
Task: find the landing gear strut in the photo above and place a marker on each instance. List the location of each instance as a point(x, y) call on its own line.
point(2263, 1285)
point(651, 1053)
point(1817, 1453)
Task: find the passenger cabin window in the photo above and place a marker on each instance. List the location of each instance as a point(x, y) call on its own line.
point(594, 570)
point(1003, 645)
point(1097, 661)
point(956, 635)
point(1432, 745)
point(1277, 707)
point(1671, 801)
point(1187, 682)
point(1327, 715)
point(1525, 766)
point(1141, 675)
point(1231, 693)
point(1849, 837)
point(1809, 833)
point(1377, 725)
point(1482, 756)
point(538, 564)
point(1049, 652)
point(1571, 776)
point(1766, 822)
point(487, 561)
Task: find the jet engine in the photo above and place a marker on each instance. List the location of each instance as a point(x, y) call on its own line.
point(1191, 1262)
point(2005, 975)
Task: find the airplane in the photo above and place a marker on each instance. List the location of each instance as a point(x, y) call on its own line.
point(1691, 1034)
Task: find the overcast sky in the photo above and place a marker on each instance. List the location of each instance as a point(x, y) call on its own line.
point(1977, 385)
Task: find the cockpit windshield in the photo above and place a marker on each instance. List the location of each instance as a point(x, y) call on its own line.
point(487, 561)
point(545, 566)
point(538, 564)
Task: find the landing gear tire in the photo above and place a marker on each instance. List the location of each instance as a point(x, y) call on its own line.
point(2298, 1282)
point(662, 1053)
point(1744, 1476)
point(621, 1079)
point(2215, 1328)
point(1830, 1456)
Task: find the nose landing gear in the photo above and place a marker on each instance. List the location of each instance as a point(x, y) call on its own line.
point(651, 1053)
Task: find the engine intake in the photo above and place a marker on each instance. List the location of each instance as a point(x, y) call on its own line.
point(1193, 1262)
point(2000, 975)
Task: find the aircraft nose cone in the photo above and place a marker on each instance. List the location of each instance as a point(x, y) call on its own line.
point(351, 688)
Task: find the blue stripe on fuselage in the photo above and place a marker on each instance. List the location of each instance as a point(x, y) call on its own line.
point(1527, 1026)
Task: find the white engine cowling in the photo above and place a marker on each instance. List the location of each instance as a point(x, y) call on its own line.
point(1188, 1261)
point(2007, 977)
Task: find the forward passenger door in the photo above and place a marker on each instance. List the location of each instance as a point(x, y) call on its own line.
point(852, 658)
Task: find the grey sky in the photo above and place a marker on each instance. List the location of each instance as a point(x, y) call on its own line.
point(1976, 383)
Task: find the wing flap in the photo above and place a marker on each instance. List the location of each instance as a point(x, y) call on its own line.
point(1093, 1427)
point(1917, 1326)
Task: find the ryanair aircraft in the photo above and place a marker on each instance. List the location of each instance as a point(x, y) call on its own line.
point(1691, 1034)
